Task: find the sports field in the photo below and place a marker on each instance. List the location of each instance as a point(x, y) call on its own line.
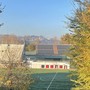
point(58, 80)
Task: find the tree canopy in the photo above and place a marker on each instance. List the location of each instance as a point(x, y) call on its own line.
point(66, 39)
point(80, 52)
point(1, 10)
point(14, 73)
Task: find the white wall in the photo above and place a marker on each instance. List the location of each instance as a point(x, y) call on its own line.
point(11, 52)
point(37, 64)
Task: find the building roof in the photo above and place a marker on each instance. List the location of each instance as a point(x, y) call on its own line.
point(50, 52)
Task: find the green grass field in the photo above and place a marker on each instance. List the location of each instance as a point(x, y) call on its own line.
point(51, 79)
point(36, 71)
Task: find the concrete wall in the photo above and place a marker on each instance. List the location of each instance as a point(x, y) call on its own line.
point(11, 52)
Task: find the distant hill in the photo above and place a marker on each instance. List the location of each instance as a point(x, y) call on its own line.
point(40, 39)
point(28, 39)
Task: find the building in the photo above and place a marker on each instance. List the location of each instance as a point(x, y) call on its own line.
point(49, 56)
point(11, 53)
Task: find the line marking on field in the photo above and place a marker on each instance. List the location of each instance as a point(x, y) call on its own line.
point(51, 81)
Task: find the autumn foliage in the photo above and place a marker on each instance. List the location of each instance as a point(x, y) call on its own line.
point(80, 52)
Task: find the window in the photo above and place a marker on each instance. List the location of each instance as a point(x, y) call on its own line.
point(42, 66)
point(2, 51)
point(47, 66)
point(65, 66)
point(56, 66)
point(60, 66)
point(51, 66)
point(8, 44)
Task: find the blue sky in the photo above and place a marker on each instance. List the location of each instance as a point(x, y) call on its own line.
point(35, 17)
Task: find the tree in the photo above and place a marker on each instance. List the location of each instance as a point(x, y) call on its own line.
point(66, 39)
point(14, 74)
point(30, 47)
point(80, 51)
point(1, 10)
point(10, 39)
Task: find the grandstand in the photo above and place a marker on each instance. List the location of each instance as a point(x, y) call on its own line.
point(49, 57)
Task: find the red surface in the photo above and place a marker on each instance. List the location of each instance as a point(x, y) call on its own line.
point(60, 66)
point(47, 66)
point(51, 66)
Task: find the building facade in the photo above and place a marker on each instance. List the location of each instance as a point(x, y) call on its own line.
point(49, 57)
point(11, 53)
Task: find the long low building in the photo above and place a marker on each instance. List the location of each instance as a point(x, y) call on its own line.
point(49, 56)
point(49, 64)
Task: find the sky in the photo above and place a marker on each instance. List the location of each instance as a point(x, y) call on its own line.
point(35, 17)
